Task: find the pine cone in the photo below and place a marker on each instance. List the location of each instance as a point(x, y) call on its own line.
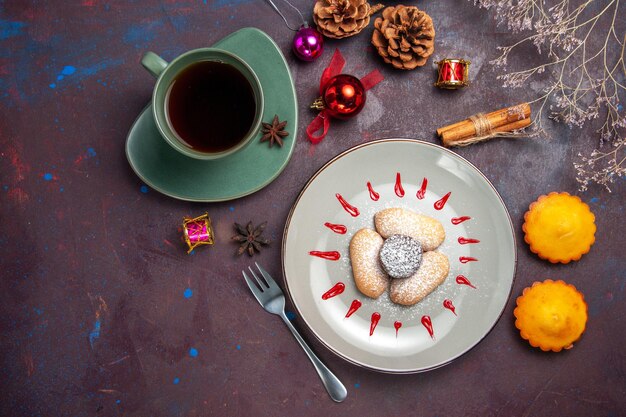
point(404, 36)
point(342, 18)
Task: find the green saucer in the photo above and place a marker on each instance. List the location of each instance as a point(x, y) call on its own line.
point(237, 175)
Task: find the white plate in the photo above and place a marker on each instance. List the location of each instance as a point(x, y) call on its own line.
point(309, 277)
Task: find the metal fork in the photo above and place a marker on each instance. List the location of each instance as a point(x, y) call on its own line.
point(271, 297)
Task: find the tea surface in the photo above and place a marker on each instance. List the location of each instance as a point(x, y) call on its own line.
point(210, 106)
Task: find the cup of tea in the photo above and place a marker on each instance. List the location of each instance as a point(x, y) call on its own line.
point(207, 103)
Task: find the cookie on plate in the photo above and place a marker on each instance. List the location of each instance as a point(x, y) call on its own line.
point(369, 276)
point(431, 273)
point(427, 231)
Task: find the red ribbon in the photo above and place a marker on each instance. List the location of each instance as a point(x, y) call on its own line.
point(322, 120)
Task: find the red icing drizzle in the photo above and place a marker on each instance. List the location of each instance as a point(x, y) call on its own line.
point(428, 324)
point(459, 220)
point(334, 291)
point(397, 326)
point(352, 211)
point(466, 240)
point(442, 202)
point(464, 281)
point(373, 194)
point(421, 193)
point(448, 304)
point(466, 259)
point(398, 188)
point(374, 322)
point(331, 256)
point(356, 304)
point(337, 228)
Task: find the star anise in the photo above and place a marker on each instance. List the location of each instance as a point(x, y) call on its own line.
point(250, 238)
point(274, 132)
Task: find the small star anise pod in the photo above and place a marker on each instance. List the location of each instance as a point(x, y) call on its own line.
point(274, 132)
point(250, 238)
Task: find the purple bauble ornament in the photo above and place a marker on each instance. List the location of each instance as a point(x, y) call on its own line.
point(308, 43)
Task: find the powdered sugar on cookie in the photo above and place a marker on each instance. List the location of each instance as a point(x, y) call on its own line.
point(369, 276)
point(431, 273)
point(398, 221)
point(365, 249)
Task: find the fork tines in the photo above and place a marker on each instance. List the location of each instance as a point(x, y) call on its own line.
point(263, 284)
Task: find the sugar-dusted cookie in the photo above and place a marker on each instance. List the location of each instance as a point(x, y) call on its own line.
point(427, 231)
point(400, 256)
point(431, 273)
point(368, 274)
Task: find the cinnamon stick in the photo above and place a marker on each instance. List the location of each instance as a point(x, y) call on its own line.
point(518, 124)
point(496, 120)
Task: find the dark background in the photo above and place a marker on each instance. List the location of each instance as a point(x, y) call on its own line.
point(93, 316)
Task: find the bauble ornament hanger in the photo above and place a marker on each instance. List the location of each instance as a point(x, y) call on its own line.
point(308, 43)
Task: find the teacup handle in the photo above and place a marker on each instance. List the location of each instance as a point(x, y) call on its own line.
point(153, 63)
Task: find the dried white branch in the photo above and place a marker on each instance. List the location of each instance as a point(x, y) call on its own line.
point(585, 58)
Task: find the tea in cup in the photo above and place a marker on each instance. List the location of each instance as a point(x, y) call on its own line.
point(207, 103)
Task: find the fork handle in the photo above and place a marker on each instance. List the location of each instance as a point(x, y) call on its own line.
point(333, 385)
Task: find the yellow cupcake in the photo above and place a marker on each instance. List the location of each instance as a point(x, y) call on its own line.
point(551, 315)
point(559, 227)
